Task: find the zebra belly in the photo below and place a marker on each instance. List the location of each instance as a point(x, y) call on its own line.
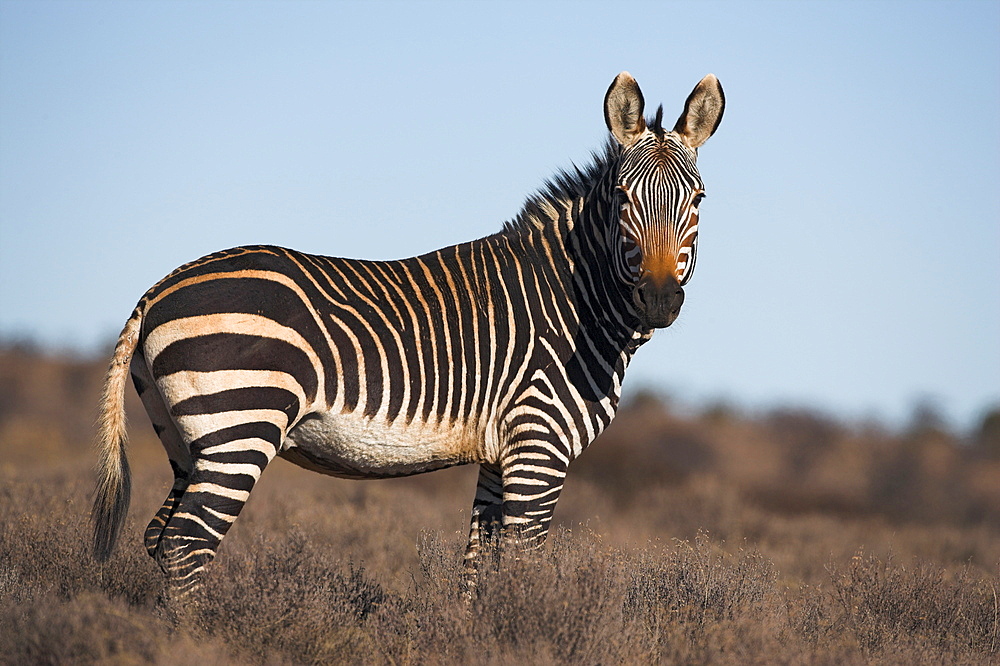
point(360, 447)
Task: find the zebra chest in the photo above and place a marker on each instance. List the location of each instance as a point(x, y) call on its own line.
point(357, 446)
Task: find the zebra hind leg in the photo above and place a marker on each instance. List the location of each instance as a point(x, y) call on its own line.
point(177, 450)
point(227, 464)
point(154, 530)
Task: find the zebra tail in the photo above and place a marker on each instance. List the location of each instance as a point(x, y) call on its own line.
point(114, 484)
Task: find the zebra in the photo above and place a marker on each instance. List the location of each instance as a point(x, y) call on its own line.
point(507, 352)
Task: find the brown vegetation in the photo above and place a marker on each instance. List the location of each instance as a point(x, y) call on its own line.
point(683, 538)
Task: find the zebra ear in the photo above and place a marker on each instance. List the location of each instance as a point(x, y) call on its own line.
point(702, 112)
point(623, 105)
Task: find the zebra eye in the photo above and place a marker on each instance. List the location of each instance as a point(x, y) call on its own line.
point(623, 197)
point(621, 201)
point(698, 198)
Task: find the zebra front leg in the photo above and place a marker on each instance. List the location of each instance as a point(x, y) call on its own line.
point(518, 496)
point(227, 464)
point(533, 475)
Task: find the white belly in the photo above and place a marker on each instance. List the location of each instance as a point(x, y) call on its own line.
point(356, 446)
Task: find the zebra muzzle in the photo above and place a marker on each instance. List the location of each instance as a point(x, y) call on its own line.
point(658, 302)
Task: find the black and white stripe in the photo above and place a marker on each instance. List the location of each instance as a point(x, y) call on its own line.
point(508, 352)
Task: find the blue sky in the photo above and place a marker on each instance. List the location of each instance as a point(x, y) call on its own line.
point(849, 254)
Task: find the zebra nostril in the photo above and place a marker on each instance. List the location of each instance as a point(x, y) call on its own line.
point(647, 293)
point(678, 299)
point(640, 294)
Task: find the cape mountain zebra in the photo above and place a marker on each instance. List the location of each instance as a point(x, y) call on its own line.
point(507, 352)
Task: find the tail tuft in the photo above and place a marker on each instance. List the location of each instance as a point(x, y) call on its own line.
point(114, 492)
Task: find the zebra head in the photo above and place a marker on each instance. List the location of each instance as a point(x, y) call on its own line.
point(656, 192)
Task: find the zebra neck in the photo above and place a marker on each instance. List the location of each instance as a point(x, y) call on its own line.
point(565, 242)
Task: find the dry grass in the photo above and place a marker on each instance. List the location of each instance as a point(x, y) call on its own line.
point(715, 538)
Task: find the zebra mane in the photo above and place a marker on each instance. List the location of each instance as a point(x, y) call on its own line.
point(657, 124)
point(565, 186)
point(571, 183)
